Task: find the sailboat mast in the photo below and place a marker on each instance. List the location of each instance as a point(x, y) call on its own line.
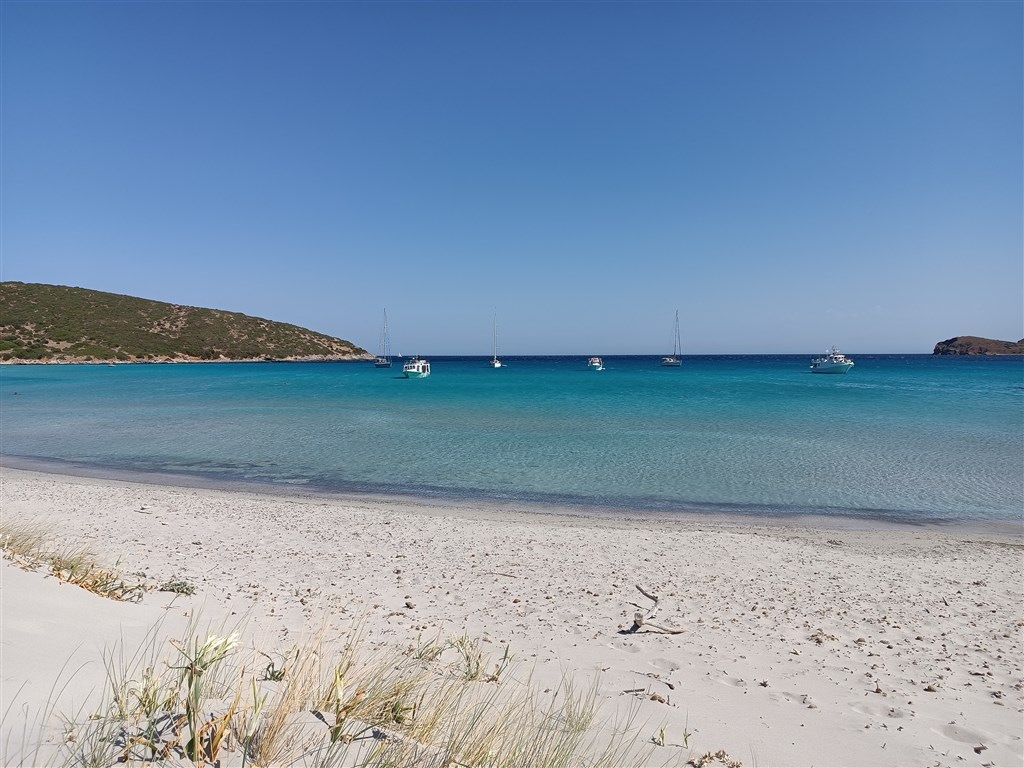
point(676, 345)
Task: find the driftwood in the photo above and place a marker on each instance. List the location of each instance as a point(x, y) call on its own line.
point(640, 620)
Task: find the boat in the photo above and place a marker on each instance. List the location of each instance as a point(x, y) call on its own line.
point(595, 364)
point(673, 360)
point(383, 360)
point(416, 368)
point(495, 362)
point(833, 362)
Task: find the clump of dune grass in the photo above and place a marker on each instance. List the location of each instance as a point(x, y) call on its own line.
point(22, 540)
point(29, 546)
point(203, 699)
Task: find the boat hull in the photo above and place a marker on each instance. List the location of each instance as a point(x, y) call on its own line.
point(416, 374)
point(837, 368)
point(671, 362)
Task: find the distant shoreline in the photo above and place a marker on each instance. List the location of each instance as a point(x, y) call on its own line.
point(486, 356)
point(190, 361)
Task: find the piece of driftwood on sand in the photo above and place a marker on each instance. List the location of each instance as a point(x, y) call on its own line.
point(640, 620)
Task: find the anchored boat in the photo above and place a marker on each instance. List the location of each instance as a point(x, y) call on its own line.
point(673, 360)
point(383, 360)
point(417, 368)
point(495, 362)
point(833, 362)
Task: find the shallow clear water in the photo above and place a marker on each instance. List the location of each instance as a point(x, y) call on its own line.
point(904, 437)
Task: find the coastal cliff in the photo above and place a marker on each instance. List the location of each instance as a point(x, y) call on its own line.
point(975, 345)
point(57, 324)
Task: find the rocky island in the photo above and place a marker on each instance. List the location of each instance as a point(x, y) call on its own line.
point(975, 345)
point(57, 324)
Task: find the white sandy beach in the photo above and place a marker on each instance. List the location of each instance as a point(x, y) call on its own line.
point(803, 646)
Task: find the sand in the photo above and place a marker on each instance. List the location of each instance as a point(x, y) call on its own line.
point(804, 646)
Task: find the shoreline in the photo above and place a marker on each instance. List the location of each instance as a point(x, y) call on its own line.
point(422, 499)
point(113, 361)
point(803, 645)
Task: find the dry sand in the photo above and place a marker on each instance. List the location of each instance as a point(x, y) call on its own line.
point(804, 646)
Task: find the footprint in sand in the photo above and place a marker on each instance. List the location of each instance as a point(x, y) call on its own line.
point(664, 665)
point(879, 710)
point(963, 735)
point(735, 682)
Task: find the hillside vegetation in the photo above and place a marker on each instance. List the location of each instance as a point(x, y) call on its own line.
point(975, 345)
point(50, 323)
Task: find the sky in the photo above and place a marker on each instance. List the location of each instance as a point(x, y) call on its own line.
point(788, 176)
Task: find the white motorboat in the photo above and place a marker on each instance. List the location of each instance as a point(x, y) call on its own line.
point(833, 362)
point(673, 360)
point(416, 368)
point(595, 364)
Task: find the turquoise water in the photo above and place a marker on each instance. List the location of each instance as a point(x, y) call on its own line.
point(902, 437)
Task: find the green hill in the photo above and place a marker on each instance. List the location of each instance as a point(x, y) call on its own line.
point(975, 345)
point(51, 323)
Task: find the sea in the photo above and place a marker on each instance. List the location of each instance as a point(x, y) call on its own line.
point(901, 438)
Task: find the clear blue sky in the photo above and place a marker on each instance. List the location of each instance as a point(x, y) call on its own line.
point(788, 175)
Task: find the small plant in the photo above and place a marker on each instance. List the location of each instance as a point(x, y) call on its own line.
point(686, 732)
point(178, 587)
point(273, 672)
point(472, 658)
point(252, 721)
point(151, 695)
point(720, 756)
point(343, 708)
point(428, 650)
point(212, 735)
point(659, 739)
point(500, 667)
point(400, 712)
point(198, 662)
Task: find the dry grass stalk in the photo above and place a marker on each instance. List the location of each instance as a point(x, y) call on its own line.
point(28, 545)
point(275, 740)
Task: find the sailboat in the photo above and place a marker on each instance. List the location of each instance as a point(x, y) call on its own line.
point(383, 360)
point(495, 362)
point(673, 361)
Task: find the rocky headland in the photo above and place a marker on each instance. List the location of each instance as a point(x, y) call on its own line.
point(976, 345)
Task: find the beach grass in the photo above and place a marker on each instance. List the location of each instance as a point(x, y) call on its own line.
point(32, 548)
point(201, 699)
point(207, 698)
